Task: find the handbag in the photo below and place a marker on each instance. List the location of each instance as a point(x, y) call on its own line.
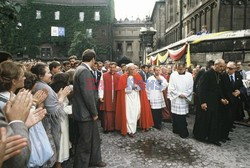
point(41, 150)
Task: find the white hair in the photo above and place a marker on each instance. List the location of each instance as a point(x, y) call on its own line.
point(231, 64)
point(130, 65)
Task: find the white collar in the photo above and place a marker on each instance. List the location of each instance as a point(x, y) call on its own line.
point(88, 66)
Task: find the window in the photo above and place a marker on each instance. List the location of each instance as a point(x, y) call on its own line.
point(168, 9)
point(171, 10)
point(45, 52)
point(119, 47)
point(81, 16)
point(89, 33)
point(129, 47)
point(57, 15)
point(97, 16)
point(38, 14)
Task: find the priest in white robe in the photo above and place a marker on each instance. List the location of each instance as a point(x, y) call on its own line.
point(180, 91)
point(156, 84)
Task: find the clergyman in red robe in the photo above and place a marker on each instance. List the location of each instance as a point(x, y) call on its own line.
point(107, 95)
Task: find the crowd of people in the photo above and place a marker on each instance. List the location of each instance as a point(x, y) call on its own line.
point(66, 101)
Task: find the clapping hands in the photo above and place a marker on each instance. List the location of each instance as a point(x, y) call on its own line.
point(63, 93)
point(18, 108)
point(10, 146)
point(39, 97)
point(38, 114)
point(35, 116)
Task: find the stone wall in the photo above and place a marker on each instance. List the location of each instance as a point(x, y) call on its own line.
point(126, 39)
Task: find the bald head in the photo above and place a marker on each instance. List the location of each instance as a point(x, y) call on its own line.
point(219, 65)
point(219, 61)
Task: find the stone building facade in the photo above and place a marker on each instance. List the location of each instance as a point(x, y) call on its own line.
point(218, 15)
point(158, 19)
point(126, 40)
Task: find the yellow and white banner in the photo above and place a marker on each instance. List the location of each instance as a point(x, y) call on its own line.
point(188, 56)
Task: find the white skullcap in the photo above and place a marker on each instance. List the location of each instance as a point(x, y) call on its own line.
point(130, 65)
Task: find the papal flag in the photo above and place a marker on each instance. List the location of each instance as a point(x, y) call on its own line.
point(54, 31)
point(61, 31)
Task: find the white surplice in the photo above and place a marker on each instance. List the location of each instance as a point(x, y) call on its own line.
point(180, 84)
point(155, 92)
point(65, 144)
point(133, 105)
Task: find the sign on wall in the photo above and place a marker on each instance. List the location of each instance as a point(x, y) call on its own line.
point(57, 31)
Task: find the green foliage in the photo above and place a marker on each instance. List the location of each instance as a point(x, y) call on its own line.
point(79, 43)
point(8, 12)
point(35, 32)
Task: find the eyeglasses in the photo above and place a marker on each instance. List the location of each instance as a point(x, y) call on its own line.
point(230, 68)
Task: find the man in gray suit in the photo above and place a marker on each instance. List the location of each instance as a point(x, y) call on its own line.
point(144, 73)
point(17, 143)
point(84, 108)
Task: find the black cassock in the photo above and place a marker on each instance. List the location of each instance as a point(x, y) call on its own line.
point(206, 125)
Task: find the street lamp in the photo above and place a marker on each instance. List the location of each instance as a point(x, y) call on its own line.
point(146, 39)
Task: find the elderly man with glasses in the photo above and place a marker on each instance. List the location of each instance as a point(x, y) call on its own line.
point(231, 85)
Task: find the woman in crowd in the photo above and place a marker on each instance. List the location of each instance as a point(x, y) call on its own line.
point(60, 81)
point(12, 78)
point(55, 109)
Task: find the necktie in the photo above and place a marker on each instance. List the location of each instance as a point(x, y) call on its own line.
point(232, 79)
point(92, 72)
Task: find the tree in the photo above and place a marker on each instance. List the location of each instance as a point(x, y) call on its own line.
point(79, 43)
point(9, 12)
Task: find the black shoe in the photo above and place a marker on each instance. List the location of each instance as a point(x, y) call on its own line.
point(184, 136)
point(175, 132)
point(200, 139)
point(223, 140)
point(105, 132)
point(100, 164)
point(216, 143)
point(158, 128)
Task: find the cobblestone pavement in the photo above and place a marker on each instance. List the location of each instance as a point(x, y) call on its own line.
point(156, 149)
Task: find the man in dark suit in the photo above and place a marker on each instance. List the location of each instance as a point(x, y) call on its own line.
point(88, 151)
point(232, 84)
point(97, 74)
point(144, 72)
point(97, 77)
point(240, 71)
